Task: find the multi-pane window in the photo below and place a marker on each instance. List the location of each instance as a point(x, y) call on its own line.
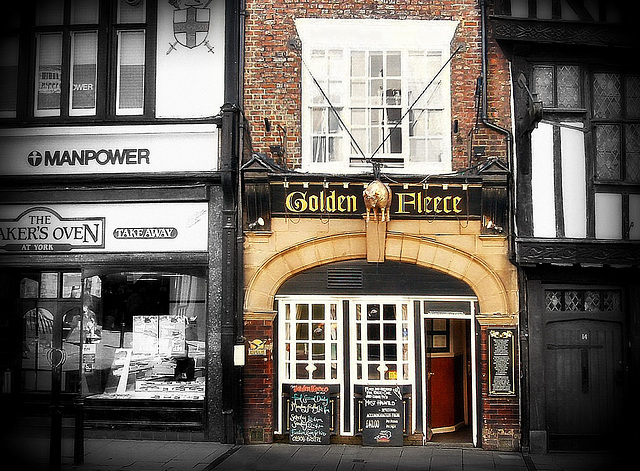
point(616, 118)
point(370, 94)
point(9, 54)
point(558, 86)
point(87, 60)
point(382, 340)
point(377, 95)
point(311, 341)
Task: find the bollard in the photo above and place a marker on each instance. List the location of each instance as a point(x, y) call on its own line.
point(78, 436)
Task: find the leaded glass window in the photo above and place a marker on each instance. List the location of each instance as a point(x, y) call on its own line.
point(558, 86)
point(583, 300)
point(616, 100)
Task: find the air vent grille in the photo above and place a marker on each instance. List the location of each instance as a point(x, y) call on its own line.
point(345, 278)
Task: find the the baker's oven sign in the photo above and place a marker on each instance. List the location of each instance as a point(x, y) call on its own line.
point(42, 229)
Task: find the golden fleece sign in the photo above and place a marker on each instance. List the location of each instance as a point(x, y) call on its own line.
point(384, 200)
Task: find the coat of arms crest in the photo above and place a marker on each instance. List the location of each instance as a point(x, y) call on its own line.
point(191, 20)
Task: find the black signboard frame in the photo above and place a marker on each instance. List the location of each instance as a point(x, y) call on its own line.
point(309, 414)
point(382, 416)
point(501, 343)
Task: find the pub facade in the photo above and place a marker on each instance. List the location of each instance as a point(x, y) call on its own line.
point(115, 125)
point(380, 304)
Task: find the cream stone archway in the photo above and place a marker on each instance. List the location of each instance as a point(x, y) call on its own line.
point(488, 282)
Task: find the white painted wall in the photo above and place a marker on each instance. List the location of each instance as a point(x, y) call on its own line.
point(542, 178)
point(189, 82)
point(574, 183)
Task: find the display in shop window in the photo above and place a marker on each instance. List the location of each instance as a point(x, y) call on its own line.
point(152, 336)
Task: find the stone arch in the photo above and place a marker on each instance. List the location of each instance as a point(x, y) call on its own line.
point(478, 274)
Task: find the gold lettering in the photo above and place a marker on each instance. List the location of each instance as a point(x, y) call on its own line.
point(427, 202)
point(352, 203)
point(446, 204)
point(456, 202)
point(296, 201)
point(313, 203)
point(436, 202)
point(331, 202)
point(405, 199)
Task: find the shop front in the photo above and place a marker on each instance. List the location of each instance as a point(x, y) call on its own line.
point(382, 333)
point(108, 302)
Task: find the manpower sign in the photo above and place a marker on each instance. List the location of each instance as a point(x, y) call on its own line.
point(109, 149)
point(120, 227)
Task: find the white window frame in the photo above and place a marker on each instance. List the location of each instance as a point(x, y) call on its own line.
point(347, 35)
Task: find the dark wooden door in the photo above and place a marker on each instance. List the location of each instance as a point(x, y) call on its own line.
point(584, 377)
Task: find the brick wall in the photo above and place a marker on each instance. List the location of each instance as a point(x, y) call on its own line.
point(272, 77)
point(499, 415)
point(258, 382)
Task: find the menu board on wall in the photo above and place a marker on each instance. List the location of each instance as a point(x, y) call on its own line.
point(383, 416)
point(501, 362)
point(309, 414)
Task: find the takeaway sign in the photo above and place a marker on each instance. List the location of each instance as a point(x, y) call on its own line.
point(42, 229)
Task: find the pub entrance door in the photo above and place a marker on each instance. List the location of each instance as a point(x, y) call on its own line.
point(449, 372)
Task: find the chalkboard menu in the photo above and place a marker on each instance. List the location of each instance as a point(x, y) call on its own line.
point(383, 416)
point(501, 362)
point(309, 414)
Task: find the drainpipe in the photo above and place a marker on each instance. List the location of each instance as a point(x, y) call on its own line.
point(508, 136)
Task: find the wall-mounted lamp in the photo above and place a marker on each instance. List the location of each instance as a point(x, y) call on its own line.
point(258, 223)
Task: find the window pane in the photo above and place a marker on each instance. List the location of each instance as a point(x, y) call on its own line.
point(633, 97)
point(317, 311)
point(608, 216)
point(373, 352)
point(608, 152)
point(49, 12)
point(8, 75)
point(49, 71)
point(131, 72)
point(390, 352)
point(568, 81)
point(389, 332)
point(131, 11)
point(84, 71)
point(374, 372)
point(302, 311)
point(373, 332)
point(606, 95)
point(632, 151)
point(634, 217)
point(84, 11)
point(543, 84)
point(394, 68)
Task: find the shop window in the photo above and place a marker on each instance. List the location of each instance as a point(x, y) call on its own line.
point(51, 317)
point(382, 342)
point(311, 333)
point(87, 61)
point(144, 335)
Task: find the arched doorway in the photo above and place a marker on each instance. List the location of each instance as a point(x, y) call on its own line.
point(350, 325)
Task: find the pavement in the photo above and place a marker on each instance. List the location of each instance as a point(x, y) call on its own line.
point(102, 454)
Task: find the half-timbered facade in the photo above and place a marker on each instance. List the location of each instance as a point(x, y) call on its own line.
point(577, 205)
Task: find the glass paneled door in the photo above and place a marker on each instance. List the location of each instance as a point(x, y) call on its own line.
point(50, 310)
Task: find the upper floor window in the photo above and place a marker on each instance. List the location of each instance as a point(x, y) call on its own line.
point(89, 59)
point(371, 93)
point(606, 104)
